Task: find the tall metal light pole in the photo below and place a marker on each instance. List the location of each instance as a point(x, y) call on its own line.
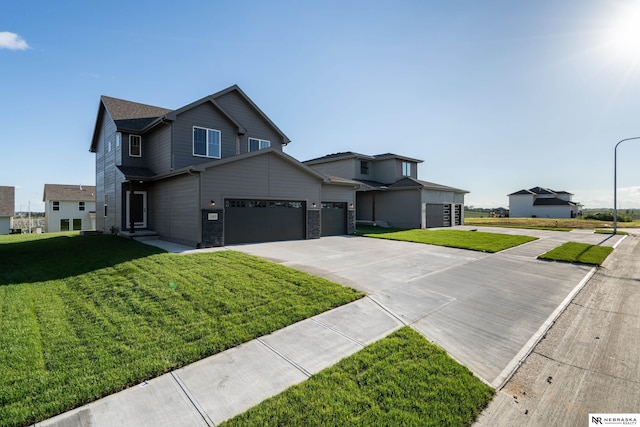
point(615, 183)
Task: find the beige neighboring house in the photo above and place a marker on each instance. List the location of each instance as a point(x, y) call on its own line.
point(7, 208)
point(69, 207)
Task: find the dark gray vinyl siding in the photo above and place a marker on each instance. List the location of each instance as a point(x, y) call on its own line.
point(173, 210)
point(156, 148)
point(338, 193)
point(107, 176)
point(342, 168)
point(266, 177)
point(234, 104)
point(205, 116)
point(386, 171)
point(400, 209)
point(126, 160)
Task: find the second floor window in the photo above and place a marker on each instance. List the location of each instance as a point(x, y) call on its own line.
point(406, 169)
point(256, 144)
point(364, 167)
point(56, 206)
point(80, 206)
point(135, 145)
point(206, 142)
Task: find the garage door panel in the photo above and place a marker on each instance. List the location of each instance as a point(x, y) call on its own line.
point(334, 219)
point(250, 221)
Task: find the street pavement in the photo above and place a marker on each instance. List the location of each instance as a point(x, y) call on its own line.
point(486, 310)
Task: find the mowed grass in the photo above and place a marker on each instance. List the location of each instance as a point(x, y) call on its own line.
point(85, 316)
point(559, 224)
point(401, 380)
point(578, 252)
point(473, 240)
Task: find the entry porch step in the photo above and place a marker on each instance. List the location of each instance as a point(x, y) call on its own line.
point(140, 235)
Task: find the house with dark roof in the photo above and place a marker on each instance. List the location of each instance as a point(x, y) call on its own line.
point(391, 193)
point(7, 208)
point(210, 173)
point(539, 202)
point(69, 207)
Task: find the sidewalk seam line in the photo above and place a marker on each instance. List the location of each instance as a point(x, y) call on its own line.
point(285, 358)
point(192, 400)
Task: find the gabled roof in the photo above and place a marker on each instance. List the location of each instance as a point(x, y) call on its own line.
point(407, 184)
point(7, 200)
point(539, 191)
point(350, 154)
point(426, 185)
point(138, 118)
point(62, 192)
point(240, 157)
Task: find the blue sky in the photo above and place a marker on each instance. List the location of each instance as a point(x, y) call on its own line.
point(494, 96)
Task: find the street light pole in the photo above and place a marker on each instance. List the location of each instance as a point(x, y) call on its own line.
point(615, 183)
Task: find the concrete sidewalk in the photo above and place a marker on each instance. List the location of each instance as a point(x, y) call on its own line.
point(219, 387)
point(477, 306)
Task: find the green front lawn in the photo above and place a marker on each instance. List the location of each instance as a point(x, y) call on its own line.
point(578, 252)
point(82, 317)
point(401, 380)
point(474, 240)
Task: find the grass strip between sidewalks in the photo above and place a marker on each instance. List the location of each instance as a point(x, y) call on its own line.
point(86, 316)
point(578, 252)
point(401, 380)
point(473, 240)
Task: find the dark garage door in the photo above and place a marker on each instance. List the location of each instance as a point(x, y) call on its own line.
point(250, 221)
point(334, 219)
point(437, 215)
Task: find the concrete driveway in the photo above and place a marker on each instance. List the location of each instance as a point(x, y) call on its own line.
point(486, 310)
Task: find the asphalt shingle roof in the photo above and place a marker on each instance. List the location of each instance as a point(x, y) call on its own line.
point(63, 192)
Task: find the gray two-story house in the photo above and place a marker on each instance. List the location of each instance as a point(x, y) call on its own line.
point(210, 173)
point(390, 191)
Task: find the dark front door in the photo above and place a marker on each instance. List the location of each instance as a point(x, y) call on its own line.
point(137, 209)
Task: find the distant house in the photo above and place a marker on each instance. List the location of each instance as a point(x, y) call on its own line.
point(499, 213)
point(7, 208)
point(210, 173)
point(538, 202)
point(69, 207)
point(391, 193)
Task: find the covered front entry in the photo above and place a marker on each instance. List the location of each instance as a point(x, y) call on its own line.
point(334, 219)
point(252, 221)
point(136, 210)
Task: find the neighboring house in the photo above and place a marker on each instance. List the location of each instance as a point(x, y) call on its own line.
point(543, 203)
point(390, 191)
point(7, 208)
point(499, 213)
point(210, 173)
point(69, 207)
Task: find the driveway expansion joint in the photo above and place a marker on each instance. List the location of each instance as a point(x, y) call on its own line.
point(192, 399)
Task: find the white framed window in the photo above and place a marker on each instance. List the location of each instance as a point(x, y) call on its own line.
point(406, 168)
point(118, 139)
point(80, 206)
point(135, 146)
point(109, 146)
point(206, 142)
point(256, 144)
point(56, 206)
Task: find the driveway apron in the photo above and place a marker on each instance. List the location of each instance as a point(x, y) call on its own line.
point(483, 309)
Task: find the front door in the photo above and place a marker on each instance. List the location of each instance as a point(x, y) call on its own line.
point(138, 210)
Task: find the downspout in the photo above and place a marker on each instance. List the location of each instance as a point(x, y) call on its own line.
point(199, 217)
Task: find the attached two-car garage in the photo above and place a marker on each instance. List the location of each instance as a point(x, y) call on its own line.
point(249, 221)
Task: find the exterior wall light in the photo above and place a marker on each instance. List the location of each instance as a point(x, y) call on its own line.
point(213, 203)
point(313, 205)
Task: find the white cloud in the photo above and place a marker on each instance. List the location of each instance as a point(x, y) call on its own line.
point(12, 41)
